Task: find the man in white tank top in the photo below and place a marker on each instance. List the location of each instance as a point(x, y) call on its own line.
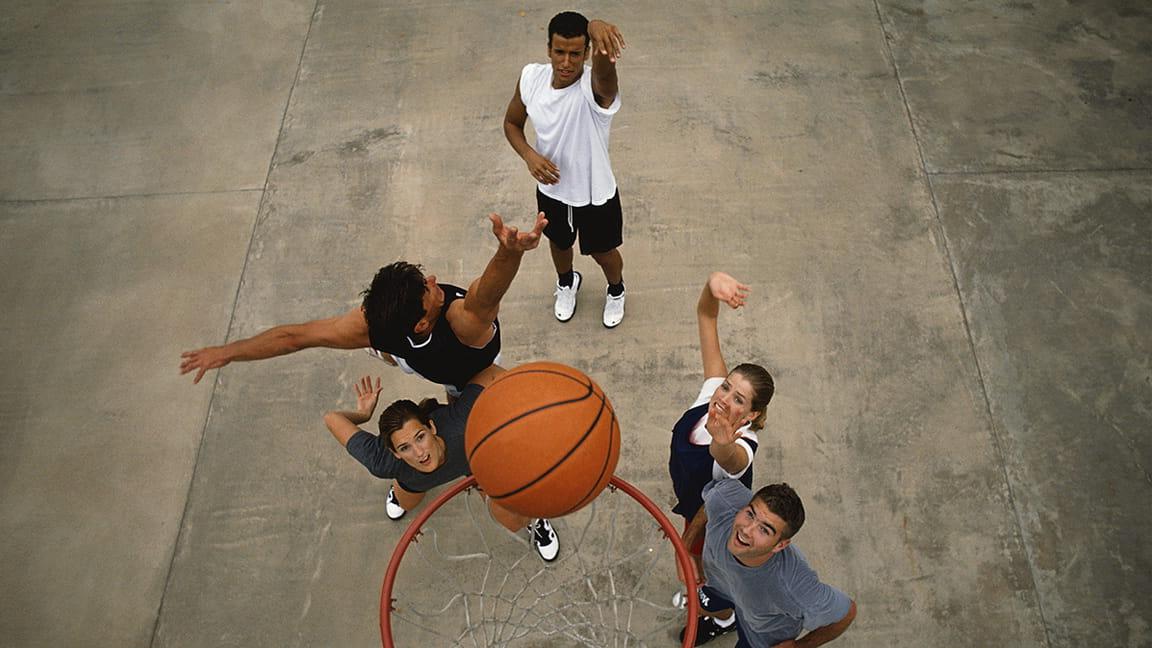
point(571, 106)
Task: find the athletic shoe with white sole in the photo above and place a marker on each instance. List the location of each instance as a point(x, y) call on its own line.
point(613, 309)
point(566, 298)
point(707, 630)
point(392, 505)
point(544, 539)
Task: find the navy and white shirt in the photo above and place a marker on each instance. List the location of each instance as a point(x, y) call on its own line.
point(690, 464)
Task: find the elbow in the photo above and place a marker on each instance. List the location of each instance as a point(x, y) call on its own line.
point(336, 424)
point(290, 340)
point(851, 616)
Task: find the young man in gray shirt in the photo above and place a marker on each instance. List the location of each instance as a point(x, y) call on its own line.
point(751, 567)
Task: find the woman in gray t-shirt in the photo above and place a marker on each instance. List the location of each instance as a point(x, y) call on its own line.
point(420, 447)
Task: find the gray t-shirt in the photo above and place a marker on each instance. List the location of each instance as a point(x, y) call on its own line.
point(451, 420)
point(775, 601)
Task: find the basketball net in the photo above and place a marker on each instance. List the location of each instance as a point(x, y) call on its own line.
point(469, 582)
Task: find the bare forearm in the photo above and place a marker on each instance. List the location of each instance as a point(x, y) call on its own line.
point(707, 307)
point(277, 341)
point(355, 418)
point(489, 288)
point(343, 425)
point(515, 136)
point(731, 457)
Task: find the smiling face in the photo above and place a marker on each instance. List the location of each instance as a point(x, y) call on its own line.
point(732, 400)
point(567, 56)
point(757, 534)
point(418, 446)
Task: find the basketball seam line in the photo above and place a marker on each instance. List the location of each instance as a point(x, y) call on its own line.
point(592, 492)
point(574, 448)
point(512, 420)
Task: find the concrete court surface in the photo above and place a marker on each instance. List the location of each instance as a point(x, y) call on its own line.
point(943, 209)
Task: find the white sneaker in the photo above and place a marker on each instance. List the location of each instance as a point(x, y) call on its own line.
point(544, 539)
point(613, 309)
point(566, 298)
point(392, 505)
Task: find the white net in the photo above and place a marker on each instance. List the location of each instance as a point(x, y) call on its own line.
point(466, 581)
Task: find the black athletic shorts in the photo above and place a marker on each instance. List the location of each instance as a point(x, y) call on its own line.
point(601, 227)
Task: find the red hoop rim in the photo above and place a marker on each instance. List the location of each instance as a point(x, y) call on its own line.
point(682, 557)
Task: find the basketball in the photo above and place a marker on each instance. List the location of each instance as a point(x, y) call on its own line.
point(542, 440)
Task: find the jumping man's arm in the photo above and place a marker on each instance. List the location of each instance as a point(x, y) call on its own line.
point(347, 331)
point(472, 320)
point(607, 44)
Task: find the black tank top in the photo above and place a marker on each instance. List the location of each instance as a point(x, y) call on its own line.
point(441, 358)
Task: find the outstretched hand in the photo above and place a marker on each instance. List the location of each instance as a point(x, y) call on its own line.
point(606, 39)
point(725, 288)
point(201, 361)
point(367, 395)
point(512, 239)
point(724, 432)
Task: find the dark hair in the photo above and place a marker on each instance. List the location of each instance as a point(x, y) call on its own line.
point(400, 412)
point(568, 24)
point(395, 300)
point(762, 390)
point(783, 501)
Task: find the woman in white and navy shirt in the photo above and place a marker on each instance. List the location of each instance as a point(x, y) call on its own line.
point(716, 437)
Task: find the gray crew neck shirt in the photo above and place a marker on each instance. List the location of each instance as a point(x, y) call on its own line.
point(451, 420)
point(776, 601)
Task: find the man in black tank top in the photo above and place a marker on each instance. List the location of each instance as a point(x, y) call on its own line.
point(443, 332)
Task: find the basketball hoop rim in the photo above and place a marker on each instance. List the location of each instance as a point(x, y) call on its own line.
point(413, 530)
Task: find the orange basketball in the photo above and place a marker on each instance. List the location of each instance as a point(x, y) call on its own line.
point(542, 440)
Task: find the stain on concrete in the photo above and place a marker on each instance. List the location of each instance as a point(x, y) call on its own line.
point(298, 158)
point(360, 144)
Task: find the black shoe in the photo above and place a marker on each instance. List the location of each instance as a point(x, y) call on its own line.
point(707, 630)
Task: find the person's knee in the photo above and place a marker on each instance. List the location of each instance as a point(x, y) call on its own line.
point(611, 257)
point(508, 519)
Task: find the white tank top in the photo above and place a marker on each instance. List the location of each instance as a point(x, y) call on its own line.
point(572, 132)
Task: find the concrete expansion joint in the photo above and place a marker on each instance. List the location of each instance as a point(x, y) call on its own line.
point(1041, 170)
point(153, 194)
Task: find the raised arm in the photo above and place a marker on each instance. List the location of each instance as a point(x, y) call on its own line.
point(731, 456)
point(347, 331)
point(343, 425)
point(721, 287)
point(515, 117)
point(472, 321)
point(607, 45)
